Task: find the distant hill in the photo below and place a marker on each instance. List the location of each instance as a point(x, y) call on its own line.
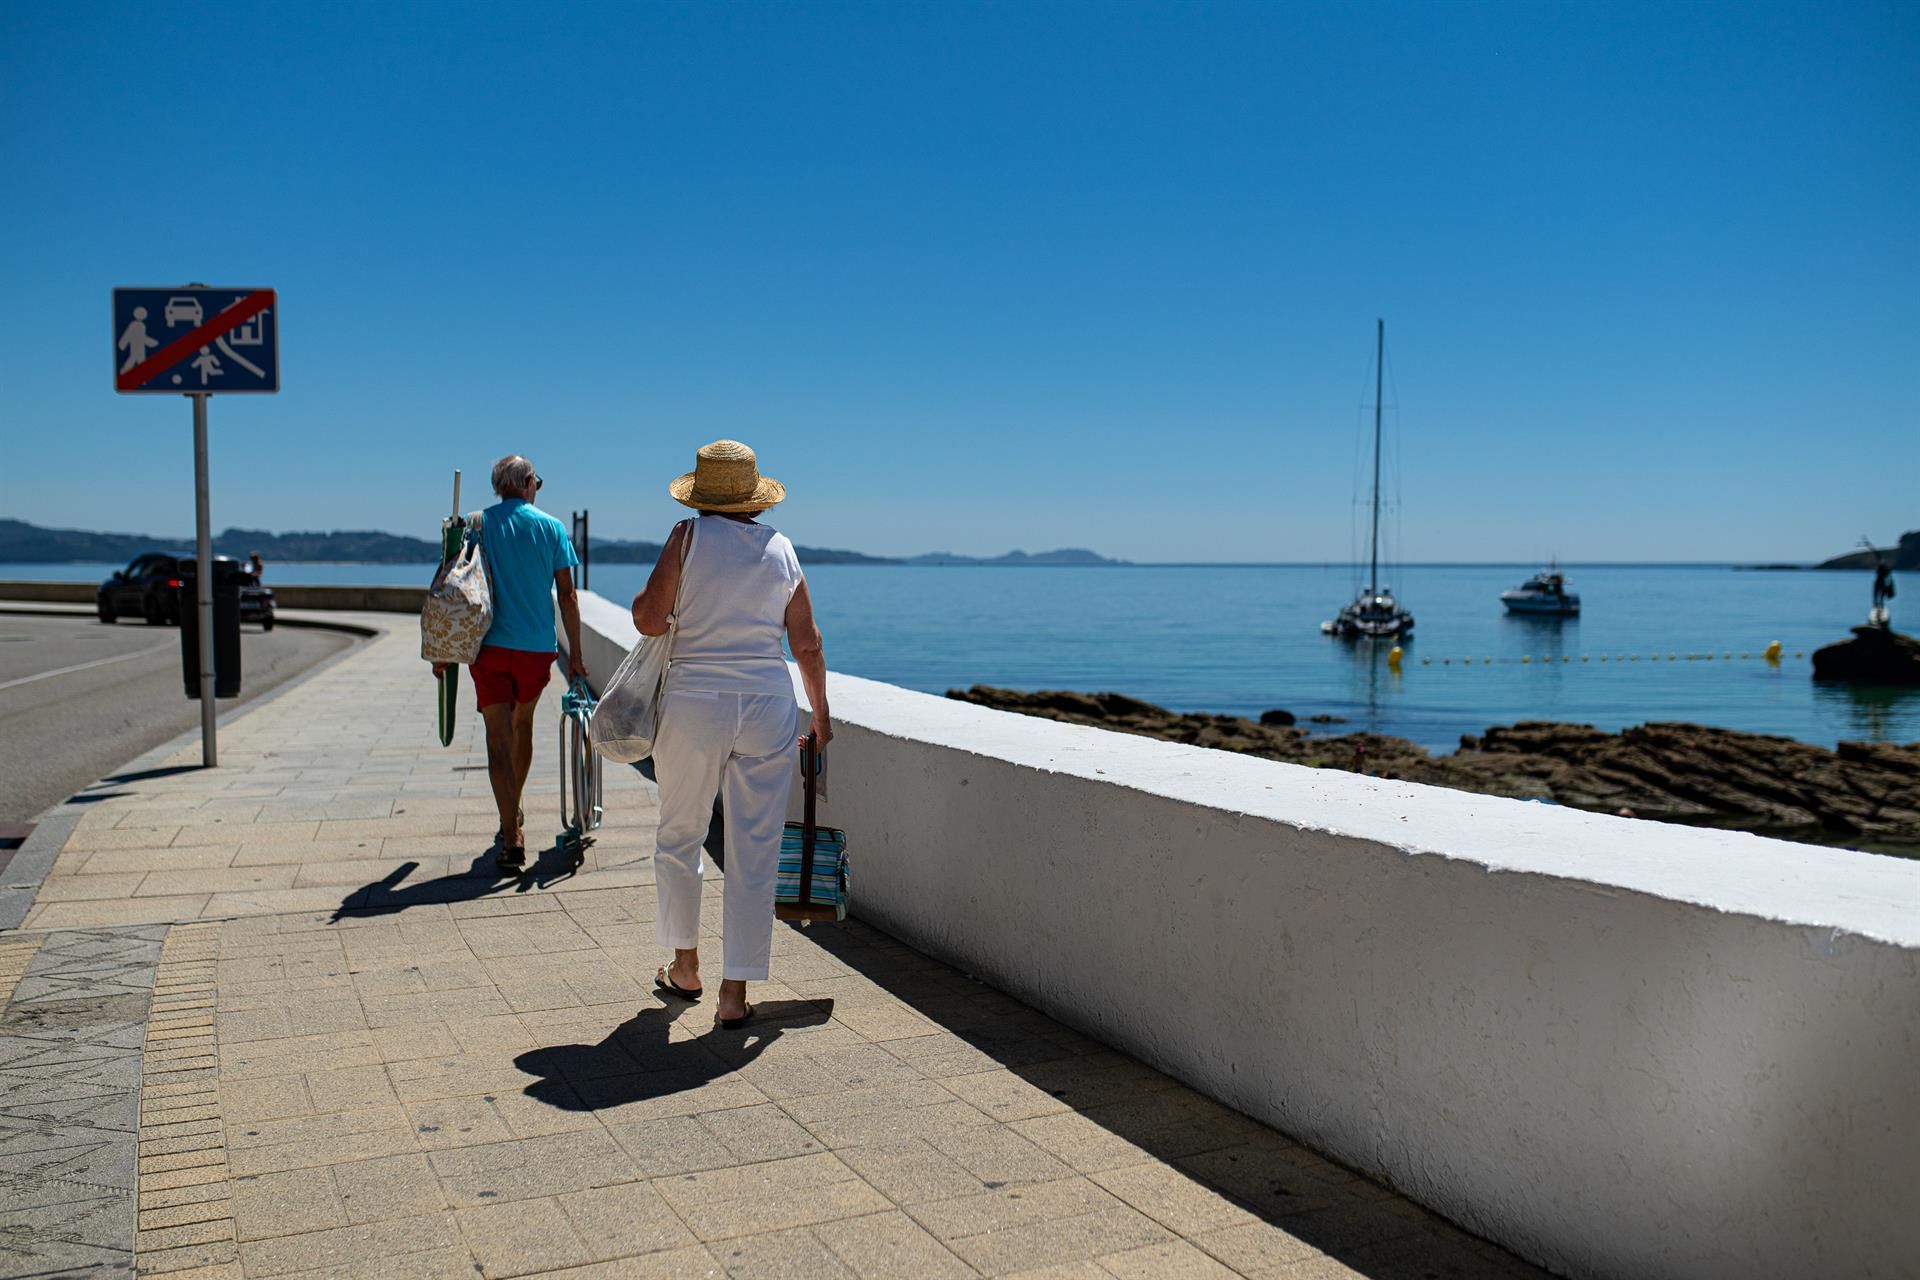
point(615, 551)
point(1066, 555)
point(23, 543)
point(1905, 556)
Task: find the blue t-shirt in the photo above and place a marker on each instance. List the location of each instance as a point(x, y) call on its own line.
point(525, 548)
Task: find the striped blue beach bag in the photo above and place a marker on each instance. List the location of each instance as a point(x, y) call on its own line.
point(813, 882)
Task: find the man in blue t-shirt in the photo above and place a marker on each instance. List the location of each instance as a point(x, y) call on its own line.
point(530, 560)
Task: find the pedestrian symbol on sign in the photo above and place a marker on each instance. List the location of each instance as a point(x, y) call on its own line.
point(135, 341)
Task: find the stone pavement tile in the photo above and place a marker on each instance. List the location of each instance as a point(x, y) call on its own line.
point(393, 1187)
point(759, 1133)
point(1065, 1240)
point(369, 1250)
point(284, 1204)
point(1079, 1142)
point(673, 1144)
point(153, 1197)
point(1003, 1095)
point(531, 1168)
point(998, 1156)
point(770, 1177)
point(690, 1263)
point(932, 1121)
point(1063, 1271)
point(98, 914)
point(271, 901)
point(622, 1220)
point(318, 1127)
point(880, 1022)
point(527, 1117)
point(1173, 1199)
point(760, 1213)
point(131, 861)
point(883, 1246)
point(1443, 1253)
point(1267, 1178)
point(793, 1254)
point(84, 887)
point(523, 1238)
point(211, 1231)
point(215, 880)
point(297, 1055)
point(314, 1152)
point(441, 1123)
point(350, 1088)
point(177, 1215)
point(277, 852)
point(672, 1092)
point(1174, 1260)
point(454, 1076)
point(86, 838)
point(248, 835)
point(911, 1170)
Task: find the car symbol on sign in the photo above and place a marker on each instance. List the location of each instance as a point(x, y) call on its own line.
point(184, 309)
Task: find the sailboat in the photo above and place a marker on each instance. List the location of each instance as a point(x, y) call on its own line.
point(1374, 613)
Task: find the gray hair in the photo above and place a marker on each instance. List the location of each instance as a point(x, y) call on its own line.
point(510, 475)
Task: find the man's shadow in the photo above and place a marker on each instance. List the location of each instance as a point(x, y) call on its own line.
point(640, 1059)
point(480, 880)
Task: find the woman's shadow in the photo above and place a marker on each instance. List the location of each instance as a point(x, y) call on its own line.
point(641, 1058)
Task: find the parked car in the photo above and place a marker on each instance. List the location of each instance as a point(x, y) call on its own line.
point(150, 588)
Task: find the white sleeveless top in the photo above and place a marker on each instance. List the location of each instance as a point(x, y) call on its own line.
point(733, 610)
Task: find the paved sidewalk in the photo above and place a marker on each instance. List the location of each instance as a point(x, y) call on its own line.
point(365, 1055)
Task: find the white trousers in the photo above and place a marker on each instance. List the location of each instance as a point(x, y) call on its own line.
point(743, 746)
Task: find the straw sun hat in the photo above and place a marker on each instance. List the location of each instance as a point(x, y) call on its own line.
point(726, 477)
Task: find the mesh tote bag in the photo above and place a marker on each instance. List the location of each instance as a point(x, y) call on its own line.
point(459, 606)
point(627, 719)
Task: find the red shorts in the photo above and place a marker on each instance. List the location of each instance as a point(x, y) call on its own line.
point(509, 675)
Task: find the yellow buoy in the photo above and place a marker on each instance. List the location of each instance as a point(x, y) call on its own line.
point(1526, 658)
point(1773, 652)
point(1393, 658)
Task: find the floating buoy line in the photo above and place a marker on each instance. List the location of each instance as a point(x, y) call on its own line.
point(1771, 655)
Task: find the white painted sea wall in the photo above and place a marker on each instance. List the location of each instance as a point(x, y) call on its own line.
point(1619, 1048)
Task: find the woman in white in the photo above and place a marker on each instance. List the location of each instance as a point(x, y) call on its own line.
point(729, 721)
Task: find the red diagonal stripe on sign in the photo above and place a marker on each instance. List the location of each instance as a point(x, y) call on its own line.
point(177, 350)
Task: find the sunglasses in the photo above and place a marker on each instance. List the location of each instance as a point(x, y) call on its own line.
point(537, 482)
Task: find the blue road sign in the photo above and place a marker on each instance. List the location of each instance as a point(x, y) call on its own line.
point(196, 340)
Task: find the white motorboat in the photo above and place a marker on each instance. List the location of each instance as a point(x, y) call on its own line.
point(1373, 614)
point(1545, 594)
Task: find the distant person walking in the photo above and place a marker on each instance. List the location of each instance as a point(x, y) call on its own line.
point(529, 559)
point(255, 565)
point(729, 722)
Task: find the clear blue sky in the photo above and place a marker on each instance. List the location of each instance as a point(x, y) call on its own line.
point(978, 276)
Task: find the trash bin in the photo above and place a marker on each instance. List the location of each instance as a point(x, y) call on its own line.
point(226, 627)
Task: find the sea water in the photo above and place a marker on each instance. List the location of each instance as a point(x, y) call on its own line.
point(1665, 642)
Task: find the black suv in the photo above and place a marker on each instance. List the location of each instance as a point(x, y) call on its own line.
point(150, 588)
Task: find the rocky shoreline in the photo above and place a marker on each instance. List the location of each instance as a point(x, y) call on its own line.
point(1862, 795)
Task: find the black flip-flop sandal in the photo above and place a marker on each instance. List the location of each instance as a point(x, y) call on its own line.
point(511, 858)
point(663, 981)
point(734, 1024)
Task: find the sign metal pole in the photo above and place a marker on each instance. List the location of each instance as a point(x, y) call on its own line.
point(203, 556)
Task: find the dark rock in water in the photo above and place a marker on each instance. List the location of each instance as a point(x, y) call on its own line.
point(1862, 793)
point(1875, 655)
point(1326, 719)
point(1277, 717)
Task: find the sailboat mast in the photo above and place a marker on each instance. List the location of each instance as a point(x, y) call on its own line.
point(1373, 544)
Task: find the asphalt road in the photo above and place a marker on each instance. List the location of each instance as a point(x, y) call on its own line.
point(79, 698)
